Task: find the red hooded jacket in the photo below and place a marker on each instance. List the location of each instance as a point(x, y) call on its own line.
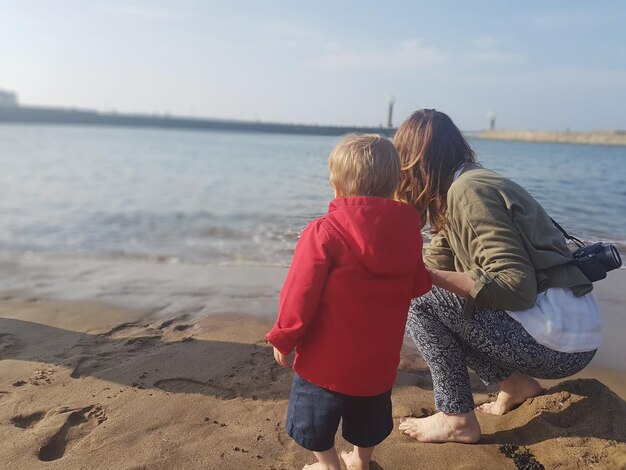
point(345, 300)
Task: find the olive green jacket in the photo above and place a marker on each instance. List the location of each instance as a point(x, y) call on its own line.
point(500, 235)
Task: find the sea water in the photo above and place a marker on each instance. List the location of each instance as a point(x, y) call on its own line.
point(230, 198)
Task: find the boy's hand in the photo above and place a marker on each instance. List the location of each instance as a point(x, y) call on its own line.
point(281, 359)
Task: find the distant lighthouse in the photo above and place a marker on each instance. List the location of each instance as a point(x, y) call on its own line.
point(390, 102)
point(491, 117)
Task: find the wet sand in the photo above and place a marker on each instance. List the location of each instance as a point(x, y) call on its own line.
point(133, 364)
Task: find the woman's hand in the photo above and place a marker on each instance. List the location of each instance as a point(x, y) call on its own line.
point(281, 359)
point(457, 283)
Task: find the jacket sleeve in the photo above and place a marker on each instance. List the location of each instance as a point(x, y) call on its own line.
point(301, 293)
point(505, 277)
point(423, 282)
point(438, 253)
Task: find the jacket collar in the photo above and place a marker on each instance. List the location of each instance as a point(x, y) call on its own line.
point(360, 201)
point(467, 167)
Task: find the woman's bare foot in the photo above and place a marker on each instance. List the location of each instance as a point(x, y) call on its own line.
point(443, 427)
point(513, 391)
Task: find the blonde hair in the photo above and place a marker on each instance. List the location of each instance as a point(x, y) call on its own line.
point(364, 165)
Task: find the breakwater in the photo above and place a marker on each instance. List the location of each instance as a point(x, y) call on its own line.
point(49, 115)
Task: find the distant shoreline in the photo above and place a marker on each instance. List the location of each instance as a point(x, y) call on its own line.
point(87, 117)
point(617, 138)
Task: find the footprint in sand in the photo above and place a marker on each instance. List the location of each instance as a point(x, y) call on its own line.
point(99, 357)
point(178, 319)
point(7, 341)
point(120, 327)
point(183, 385)
point(78, 425)
point(88, 365)
point(27, 421)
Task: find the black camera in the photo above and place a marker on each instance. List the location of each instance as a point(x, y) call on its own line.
point(596, 260)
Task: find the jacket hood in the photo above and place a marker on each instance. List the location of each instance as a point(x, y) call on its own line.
point(384, 235)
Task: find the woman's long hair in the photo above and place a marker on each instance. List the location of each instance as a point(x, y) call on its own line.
point(431, 147)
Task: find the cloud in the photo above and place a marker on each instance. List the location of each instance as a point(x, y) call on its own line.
point(484, 42)
point(560, 19)
point(290, 33)
point(495, 57)
point(486, 50)
point(138, 11)
point(410, 54)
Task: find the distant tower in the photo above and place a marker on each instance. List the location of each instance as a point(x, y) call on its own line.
point(491, 117)
point(8, 99)
point(390, 102)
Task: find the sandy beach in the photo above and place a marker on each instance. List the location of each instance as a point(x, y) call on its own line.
point(132, 364)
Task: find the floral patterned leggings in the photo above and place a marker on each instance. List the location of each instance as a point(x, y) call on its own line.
point(491, 343)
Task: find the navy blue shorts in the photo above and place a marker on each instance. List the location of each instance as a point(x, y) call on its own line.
point(314, 413)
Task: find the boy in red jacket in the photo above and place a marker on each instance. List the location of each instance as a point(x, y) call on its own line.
point(344, 305)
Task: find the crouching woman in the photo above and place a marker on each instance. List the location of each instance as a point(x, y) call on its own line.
point(508, 303)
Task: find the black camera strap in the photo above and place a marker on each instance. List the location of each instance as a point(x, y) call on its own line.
point(579, 243)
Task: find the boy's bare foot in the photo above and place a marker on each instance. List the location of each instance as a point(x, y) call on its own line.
point(319, 466)
point(353, 462)
point(514, 391)
point(327, 460)
point(443, 427)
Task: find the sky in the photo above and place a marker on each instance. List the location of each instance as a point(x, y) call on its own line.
point(539, 65)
